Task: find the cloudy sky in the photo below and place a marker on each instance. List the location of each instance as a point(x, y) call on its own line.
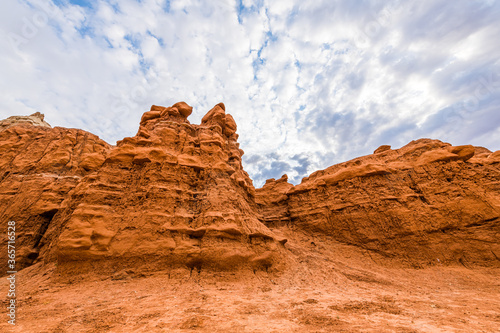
point(309, 83)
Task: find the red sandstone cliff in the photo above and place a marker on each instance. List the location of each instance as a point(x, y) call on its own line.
point(425, 203)
point(176, 194)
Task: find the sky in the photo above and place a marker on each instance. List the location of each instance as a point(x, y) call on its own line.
point(309, 83)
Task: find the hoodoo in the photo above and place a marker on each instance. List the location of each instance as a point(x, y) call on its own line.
point(175, 194)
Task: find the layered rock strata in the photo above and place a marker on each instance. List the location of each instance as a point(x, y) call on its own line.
point(175, 194)
point(425, 203)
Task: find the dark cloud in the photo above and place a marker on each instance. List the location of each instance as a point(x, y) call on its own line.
point(395, 136)
point(274, 165)
point(447, 117)
point(303, 165)
point(355, 80)
point(268, 166)
point(251, 159)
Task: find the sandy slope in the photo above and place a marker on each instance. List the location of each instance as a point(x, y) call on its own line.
point(328, 287)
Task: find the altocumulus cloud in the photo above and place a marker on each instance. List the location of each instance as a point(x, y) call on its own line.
point(309, 83)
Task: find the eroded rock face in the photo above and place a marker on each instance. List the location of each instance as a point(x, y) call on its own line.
point(36, 119)
point(176, 195)
point(39, 168)
point(425, 203)
point(173, 195)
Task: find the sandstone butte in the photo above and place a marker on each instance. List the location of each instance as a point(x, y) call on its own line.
point(175, 198)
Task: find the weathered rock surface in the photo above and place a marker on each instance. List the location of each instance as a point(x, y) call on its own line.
point(176, 195)
point(173, 195)
point(36, 119)
point(39, 168)
point(426, 203)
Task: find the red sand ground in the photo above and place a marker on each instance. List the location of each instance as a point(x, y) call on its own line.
point(329, 287)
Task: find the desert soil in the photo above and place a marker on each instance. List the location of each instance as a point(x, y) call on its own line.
point(329, 287)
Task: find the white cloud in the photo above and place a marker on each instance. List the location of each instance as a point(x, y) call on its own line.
point(310, 84)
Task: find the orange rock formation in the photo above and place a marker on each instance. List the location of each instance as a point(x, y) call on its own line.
point(425, 203)
point(176, 194)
